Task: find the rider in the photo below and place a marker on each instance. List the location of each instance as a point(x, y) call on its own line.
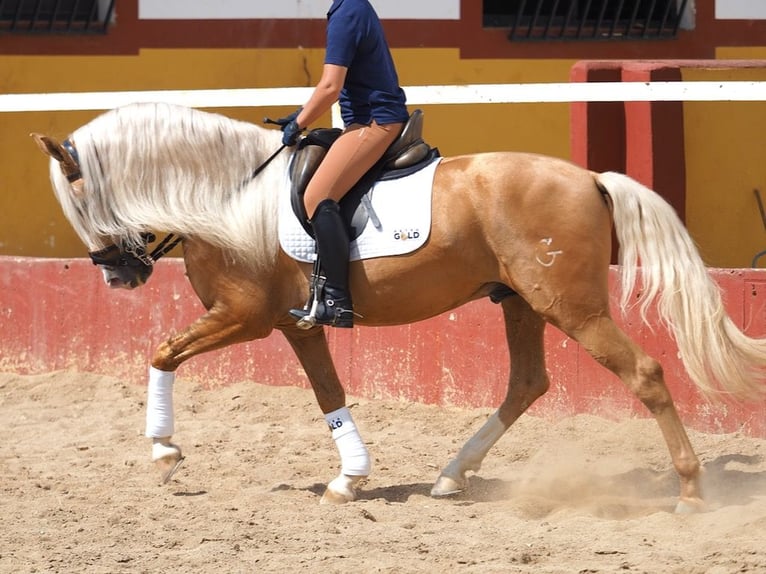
point(358, 72)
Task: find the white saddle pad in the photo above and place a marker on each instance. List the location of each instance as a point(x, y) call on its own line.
point(403, 207)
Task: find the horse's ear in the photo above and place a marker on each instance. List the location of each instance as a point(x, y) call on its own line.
point(69, 167)
point(50, 146)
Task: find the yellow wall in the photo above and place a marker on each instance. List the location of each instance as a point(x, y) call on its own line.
point(725, 162)
point(725, 143)
point(30, 220)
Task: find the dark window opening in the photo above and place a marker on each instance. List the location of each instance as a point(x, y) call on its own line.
point(585, 19)
point(55, 16)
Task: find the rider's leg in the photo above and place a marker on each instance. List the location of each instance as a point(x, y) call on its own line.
point(356, 150)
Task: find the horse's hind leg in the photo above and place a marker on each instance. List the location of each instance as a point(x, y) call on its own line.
point(643, 375)
point(528, 381)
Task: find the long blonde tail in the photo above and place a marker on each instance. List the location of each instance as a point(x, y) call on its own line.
point(719, 358)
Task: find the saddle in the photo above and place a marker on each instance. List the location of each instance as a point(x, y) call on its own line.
point(407, 154)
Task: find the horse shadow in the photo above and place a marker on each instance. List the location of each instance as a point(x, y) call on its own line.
point(728, 480)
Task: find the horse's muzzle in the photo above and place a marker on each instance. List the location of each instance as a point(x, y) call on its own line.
point(125, 277)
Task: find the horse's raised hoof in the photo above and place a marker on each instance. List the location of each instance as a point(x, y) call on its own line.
point(448, 486)
point(342, 489)
point(690, 506)
point(167, 458)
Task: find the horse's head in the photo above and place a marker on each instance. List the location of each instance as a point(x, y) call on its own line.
point(124, 264)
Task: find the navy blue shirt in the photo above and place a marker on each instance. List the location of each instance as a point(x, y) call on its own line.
point(355, 41)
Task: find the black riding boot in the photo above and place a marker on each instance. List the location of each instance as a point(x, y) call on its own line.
point(331, 301)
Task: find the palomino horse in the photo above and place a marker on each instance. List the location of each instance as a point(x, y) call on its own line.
point(496, 218)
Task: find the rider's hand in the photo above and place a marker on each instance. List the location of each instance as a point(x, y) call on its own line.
point(290, 129)
point(282, 122)
point(290, 133)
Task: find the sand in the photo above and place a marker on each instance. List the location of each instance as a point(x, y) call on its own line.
point(577, 495)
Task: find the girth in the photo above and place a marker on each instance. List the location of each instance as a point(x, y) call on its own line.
point(406, 155)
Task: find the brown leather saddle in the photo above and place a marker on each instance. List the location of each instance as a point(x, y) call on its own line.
point(406, 155)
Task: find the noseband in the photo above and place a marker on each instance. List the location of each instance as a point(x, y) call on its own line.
point(134, 255)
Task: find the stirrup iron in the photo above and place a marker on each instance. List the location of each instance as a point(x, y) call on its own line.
point(316, 286)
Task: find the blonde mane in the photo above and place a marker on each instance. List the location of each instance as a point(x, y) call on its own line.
point(165, 168)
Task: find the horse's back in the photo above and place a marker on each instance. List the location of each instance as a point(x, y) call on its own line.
point(525, 188)
point(524, 171)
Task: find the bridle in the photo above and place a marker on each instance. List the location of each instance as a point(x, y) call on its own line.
point(134, 255)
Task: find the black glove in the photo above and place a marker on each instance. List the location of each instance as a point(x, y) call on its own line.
point(290, 133)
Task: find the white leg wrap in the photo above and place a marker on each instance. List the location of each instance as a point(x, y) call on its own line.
point(355, 460)
point(159, 404)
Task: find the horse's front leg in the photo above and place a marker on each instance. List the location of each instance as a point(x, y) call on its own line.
point(214, 330)
point(314, 355)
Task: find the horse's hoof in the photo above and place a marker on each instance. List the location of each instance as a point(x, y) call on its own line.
point(342, 489)
point(448, 486)
point(167, 458)
point(690, 506)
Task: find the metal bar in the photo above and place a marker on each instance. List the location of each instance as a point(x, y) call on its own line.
point(665, 14)
point(68, 16)
point(35, 15)
point(54, 15)
point(567, 19)
point(93, 15)
point(551, 16)
point(108, 16)
point(71, 15)
point(757, 193)
point(616, 18)
point(652, 6)
point(533, 21)
point(583, 18)
point(633, 18)
point(17, 15)
point(513, 35)
point(601, 13)
point(679, 15)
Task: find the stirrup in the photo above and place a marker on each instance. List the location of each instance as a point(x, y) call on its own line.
point(324, 311)
point(320, 309)
point(343, 318)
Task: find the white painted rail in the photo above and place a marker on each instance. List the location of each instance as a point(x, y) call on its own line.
point(416, 95)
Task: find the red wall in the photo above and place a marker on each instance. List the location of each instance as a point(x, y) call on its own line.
point(57, 314)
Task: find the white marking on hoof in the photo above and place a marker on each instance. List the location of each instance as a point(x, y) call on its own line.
point(342, 489)
point(168, 458)
point(448, 486)
point(690, 506)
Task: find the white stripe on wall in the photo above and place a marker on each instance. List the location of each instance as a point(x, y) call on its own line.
point(740, 10)
point(289, 9)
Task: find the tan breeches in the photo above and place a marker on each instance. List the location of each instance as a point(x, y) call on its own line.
point(354, 152)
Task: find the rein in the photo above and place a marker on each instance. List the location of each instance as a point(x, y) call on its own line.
point(263, 166)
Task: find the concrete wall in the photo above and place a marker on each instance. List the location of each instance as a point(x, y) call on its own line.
point(56, 314)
